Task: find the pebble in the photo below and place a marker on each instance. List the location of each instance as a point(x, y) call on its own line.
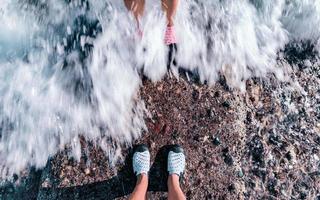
point(317, 140)
point(87, 171)
point(216, 141)
point(46, 183)
point(217, 94)
point(257, 150)
point(226, 104)
point(227, 157)
point(232, 187)
point(272, 183)
point(240, 173)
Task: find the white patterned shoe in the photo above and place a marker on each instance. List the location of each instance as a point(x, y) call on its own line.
point(141, 160)
point(176, 160)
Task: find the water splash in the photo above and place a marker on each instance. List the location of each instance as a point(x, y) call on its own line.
point(72, 68)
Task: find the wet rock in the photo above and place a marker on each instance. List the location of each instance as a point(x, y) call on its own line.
point(315, 174)
point(232, 187)
point(217, 94)
point(196, 138)
point(317, 140)
point(195, 95)
point(257, 151)
point(224, 84)
point(261, 173)
point(240, 173)
point(303, 195)
point(274, 139)
point(210, 113)
point(15, 177)
point(175, 134)
point(227, 158)
point(226, 104)
point(209, 196)
point(249, 117)
point(260, 113)
point(87, 171)
point(272, 183)
point(216, 141)
point(288, 156)
point(251, 183)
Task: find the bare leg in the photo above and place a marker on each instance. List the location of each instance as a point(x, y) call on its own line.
point(170, 7)
point(174, 190)
point(136, 7)
point(140, 191)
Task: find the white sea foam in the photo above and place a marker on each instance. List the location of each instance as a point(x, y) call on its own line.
point(54, 87)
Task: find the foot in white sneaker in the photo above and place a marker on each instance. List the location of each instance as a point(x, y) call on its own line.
point(141, 160)
point(176, 160)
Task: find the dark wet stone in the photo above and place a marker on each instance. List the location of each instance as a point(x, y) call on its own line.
point(272, 183)
point(227, 158)
point(251, 183)
point(296, 53)
point(260, 113)
point(257, 151)
point(317, 140)
point(195, 95)
point(194, 117)
point(224, 84)
point(196, 138)
point(209, 196)
point(231, 188)
point(217, 94)
point(15, 177)
point(291, 118)
point(288, 155)
point(216, 141)
point(174, 134)
point(303, 195)
point(210, 113)
point(315, 174)
point(260, 173)
point(225, 150)
point(249, 117)
point(190, 75)
point(226, 104)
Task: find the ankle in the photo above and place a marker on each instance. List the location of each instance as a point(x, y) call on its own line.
point(173, 180)
point(142, 179)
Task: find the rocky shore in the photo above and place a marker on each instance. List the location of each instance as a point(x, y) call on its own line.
point(260, 144)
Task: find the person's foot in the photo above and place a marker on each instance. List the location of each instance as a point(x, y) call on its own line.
point(141, 160)
point(170, 36)
point(176, 160)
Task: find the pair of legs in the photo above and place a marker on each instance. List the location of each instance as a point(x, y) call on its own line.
point(174, 189)
point(137, 8)
point(169, 7)
point(141, 166)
